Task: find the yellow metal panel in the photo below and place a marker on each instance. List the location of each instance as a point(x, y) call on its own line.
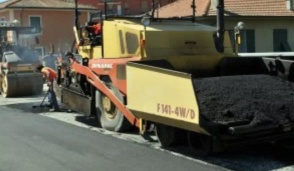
point(160, 92)
point(181, 39)
point(111, 40)
point(178, 44)
point(85, 51)
point(169, 38)
point(97, 52)
point(113, 46)
point(228, 45)
point(167, 26)
point(199, 62)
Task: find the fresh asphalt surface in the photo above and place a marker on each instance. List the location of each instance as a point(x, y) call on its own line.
point(31, 142)
point(35, 139)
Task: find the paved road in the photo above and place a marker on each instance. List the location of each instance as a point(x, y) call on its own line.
point(31, 142)
point(34, 139)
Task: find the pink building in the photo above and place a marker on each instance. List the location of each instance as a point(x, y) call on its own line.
point(53, 20)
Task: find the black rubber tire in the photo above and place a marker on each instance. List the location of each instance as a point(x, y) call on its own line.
point(200, 144)
point(169, 136)
point(4, 87)
point(12, 86)
point(118, 122)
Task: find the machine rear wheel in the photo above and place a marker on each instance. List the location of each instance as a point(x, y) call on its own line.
point(200, 144)
point(4, 87)
point(21, 85)
point(169, 136)
point(108, 114)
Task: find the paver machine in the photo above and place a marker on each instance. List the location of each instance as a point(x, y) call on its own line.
point(18, 76)
point(184, 78)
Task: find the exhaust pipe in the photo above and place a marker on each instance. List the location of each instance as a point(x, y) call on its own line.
point(220, 22)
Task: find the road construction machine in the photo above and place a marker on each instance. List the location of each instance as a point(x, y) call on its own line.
point(18, 76)
point(181, 77)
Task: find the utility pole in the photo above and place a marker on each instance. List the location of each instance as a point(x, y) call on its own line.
point(153, 8)
point(76, 14)
point(193, 6)
point(105, 9)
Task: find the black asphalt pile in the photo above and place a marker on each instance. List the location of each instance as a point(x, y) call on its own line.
point(261, 99)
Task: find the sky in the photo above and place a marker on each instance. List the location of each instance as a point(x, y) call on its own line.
point(2, 0)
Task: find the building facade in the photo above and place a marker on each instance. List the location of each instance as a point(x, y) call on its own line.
point(127, 7)
point(53, 22)
point(268, 24)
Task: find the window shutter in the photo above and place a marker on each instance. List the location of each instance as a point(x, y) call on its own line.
point(280, 38)
point(250, 34)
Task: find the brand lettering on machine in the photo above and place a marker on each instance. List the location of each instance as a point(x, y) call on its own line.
point(109, 66)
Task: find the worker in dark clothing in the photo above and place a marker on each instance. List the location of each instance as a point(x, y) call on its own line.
point(50, 75)
point(95, 31)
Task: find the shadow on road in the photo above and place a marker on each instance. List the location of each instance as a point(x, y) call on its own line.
point(94, 122)
point(29, 107)
point(263, 157)
point(88, 120)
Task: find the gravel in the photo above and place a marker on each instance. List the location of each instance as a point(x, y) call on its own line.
point(261, 99)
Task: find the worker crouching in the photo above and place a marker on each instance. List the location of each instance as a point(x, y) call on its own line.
point(50, 75)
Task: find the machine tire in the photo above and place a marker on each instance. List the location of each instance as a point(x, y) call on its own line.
point(109, 116)
point(200, 144)
point(1, 79)
point(169, 136)
point(10, 86)
point(6, 89)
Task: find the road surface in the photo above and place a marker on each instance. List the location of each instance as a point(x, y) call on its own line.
point(34, 139)
point(32, 142)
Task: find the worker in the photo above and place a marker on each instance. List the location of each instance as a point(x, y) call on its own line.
point(50, 75)
point(69, 56)
point(95, 29)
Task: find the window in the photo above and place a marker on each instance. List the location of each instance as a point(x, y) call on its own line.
point(280, 40)
point(119, 11)
point(144, 6)
point(132, 42)
point(126, 5)
point(35, 21)
point(126, 9)
point(247, 41)
point(111, 9)
point(121, 40)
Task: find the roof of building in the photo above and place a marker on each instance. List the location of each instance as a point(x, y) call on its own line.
point(182, 8)
point(48, 4)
